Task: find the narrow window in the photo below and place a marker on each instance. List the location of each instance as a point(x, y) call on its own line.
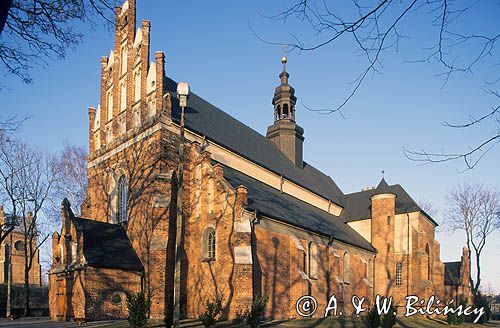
point(137, 86)
point(123, 102)
point(388, 220)
point(313, 261)
point(110, 105)
point(427, 251)
point(109, 134)
point(285, 111)
point(209, 244)
point(124, 60)
point(121, 214)
point(399, 273)
point(137, 117)
point(346, 267)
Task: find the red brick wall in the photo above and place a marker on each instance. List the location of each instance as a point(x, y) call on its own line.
point(100, 287)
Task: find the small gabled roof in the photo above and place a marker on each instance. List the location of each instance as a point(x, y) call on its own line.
point(290, 210)
point(105, 245)
point(452, 273)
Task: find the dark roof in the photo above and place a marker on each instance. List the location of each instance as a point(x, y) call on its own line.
point(452, 273)
point(285, 208)
point(358, 204)
point(218, 126)
point(106, 245)
point(383, 188)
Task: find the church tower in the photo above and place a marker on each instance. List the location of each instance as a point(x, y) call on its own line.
point(285, 133)
point(383, 208)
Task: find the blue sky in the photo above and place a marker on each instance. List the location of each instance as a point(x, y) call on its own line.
point(211, 45)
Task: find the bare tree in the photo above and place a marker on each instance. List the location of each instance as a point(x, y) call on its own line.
point(40, 30)
point(428, 208)
point(71, 166)
point(475, 209)
point(374, 27)
point(27, 178)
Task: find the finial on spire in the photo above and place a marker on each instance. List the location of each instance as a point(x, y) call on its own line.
point(284, 75)
point(383, 174)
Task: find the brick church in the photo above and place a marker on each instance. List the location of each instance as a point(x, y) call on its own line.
point(257, 218)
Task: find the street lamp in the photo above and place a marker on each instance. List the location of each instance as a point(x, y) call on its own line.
point(182, 94)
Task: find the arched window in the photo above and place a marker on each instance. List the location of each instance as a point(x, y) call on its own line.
point(347, 267)
point(313, 260)
point(427, 251)
point(121, 214)
point(399, 273)
point(389, 220)
point(285, 111)
point(278, 112)
point(209, 244)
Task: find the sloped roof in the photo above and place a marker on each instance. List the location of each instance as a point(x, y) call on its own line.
point(218, 126)
point(452, 273)
point(106, 245)
point(285, 208)
point(358, 204)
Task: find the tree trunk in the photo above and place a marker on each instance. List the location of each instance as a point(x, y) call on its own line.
point(26, 292)
point(9, 278)
point(478, 273)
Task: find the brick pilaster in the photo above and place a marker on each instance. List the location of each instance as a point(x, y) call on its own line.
point(91, 130)
point(104, 105)
point(146, 26)
point(160, 72)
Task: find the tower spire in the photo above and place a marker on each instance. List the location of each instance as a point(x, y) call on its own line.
point(285, 133)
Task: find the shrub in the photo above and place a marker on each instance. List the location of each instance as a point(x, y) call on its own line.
point(138, 310)
point(212, 310)
point(389, 319)
point(373, 318)
point(452, 318)
point(481, 301)
point(257, 311)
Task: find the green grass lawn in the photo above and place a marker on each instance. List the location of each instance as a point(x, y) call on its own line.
point(354, 322)
point(339, 322)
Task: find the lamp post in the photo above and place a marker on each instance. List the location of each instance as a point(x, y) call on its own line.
point(182, 94)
